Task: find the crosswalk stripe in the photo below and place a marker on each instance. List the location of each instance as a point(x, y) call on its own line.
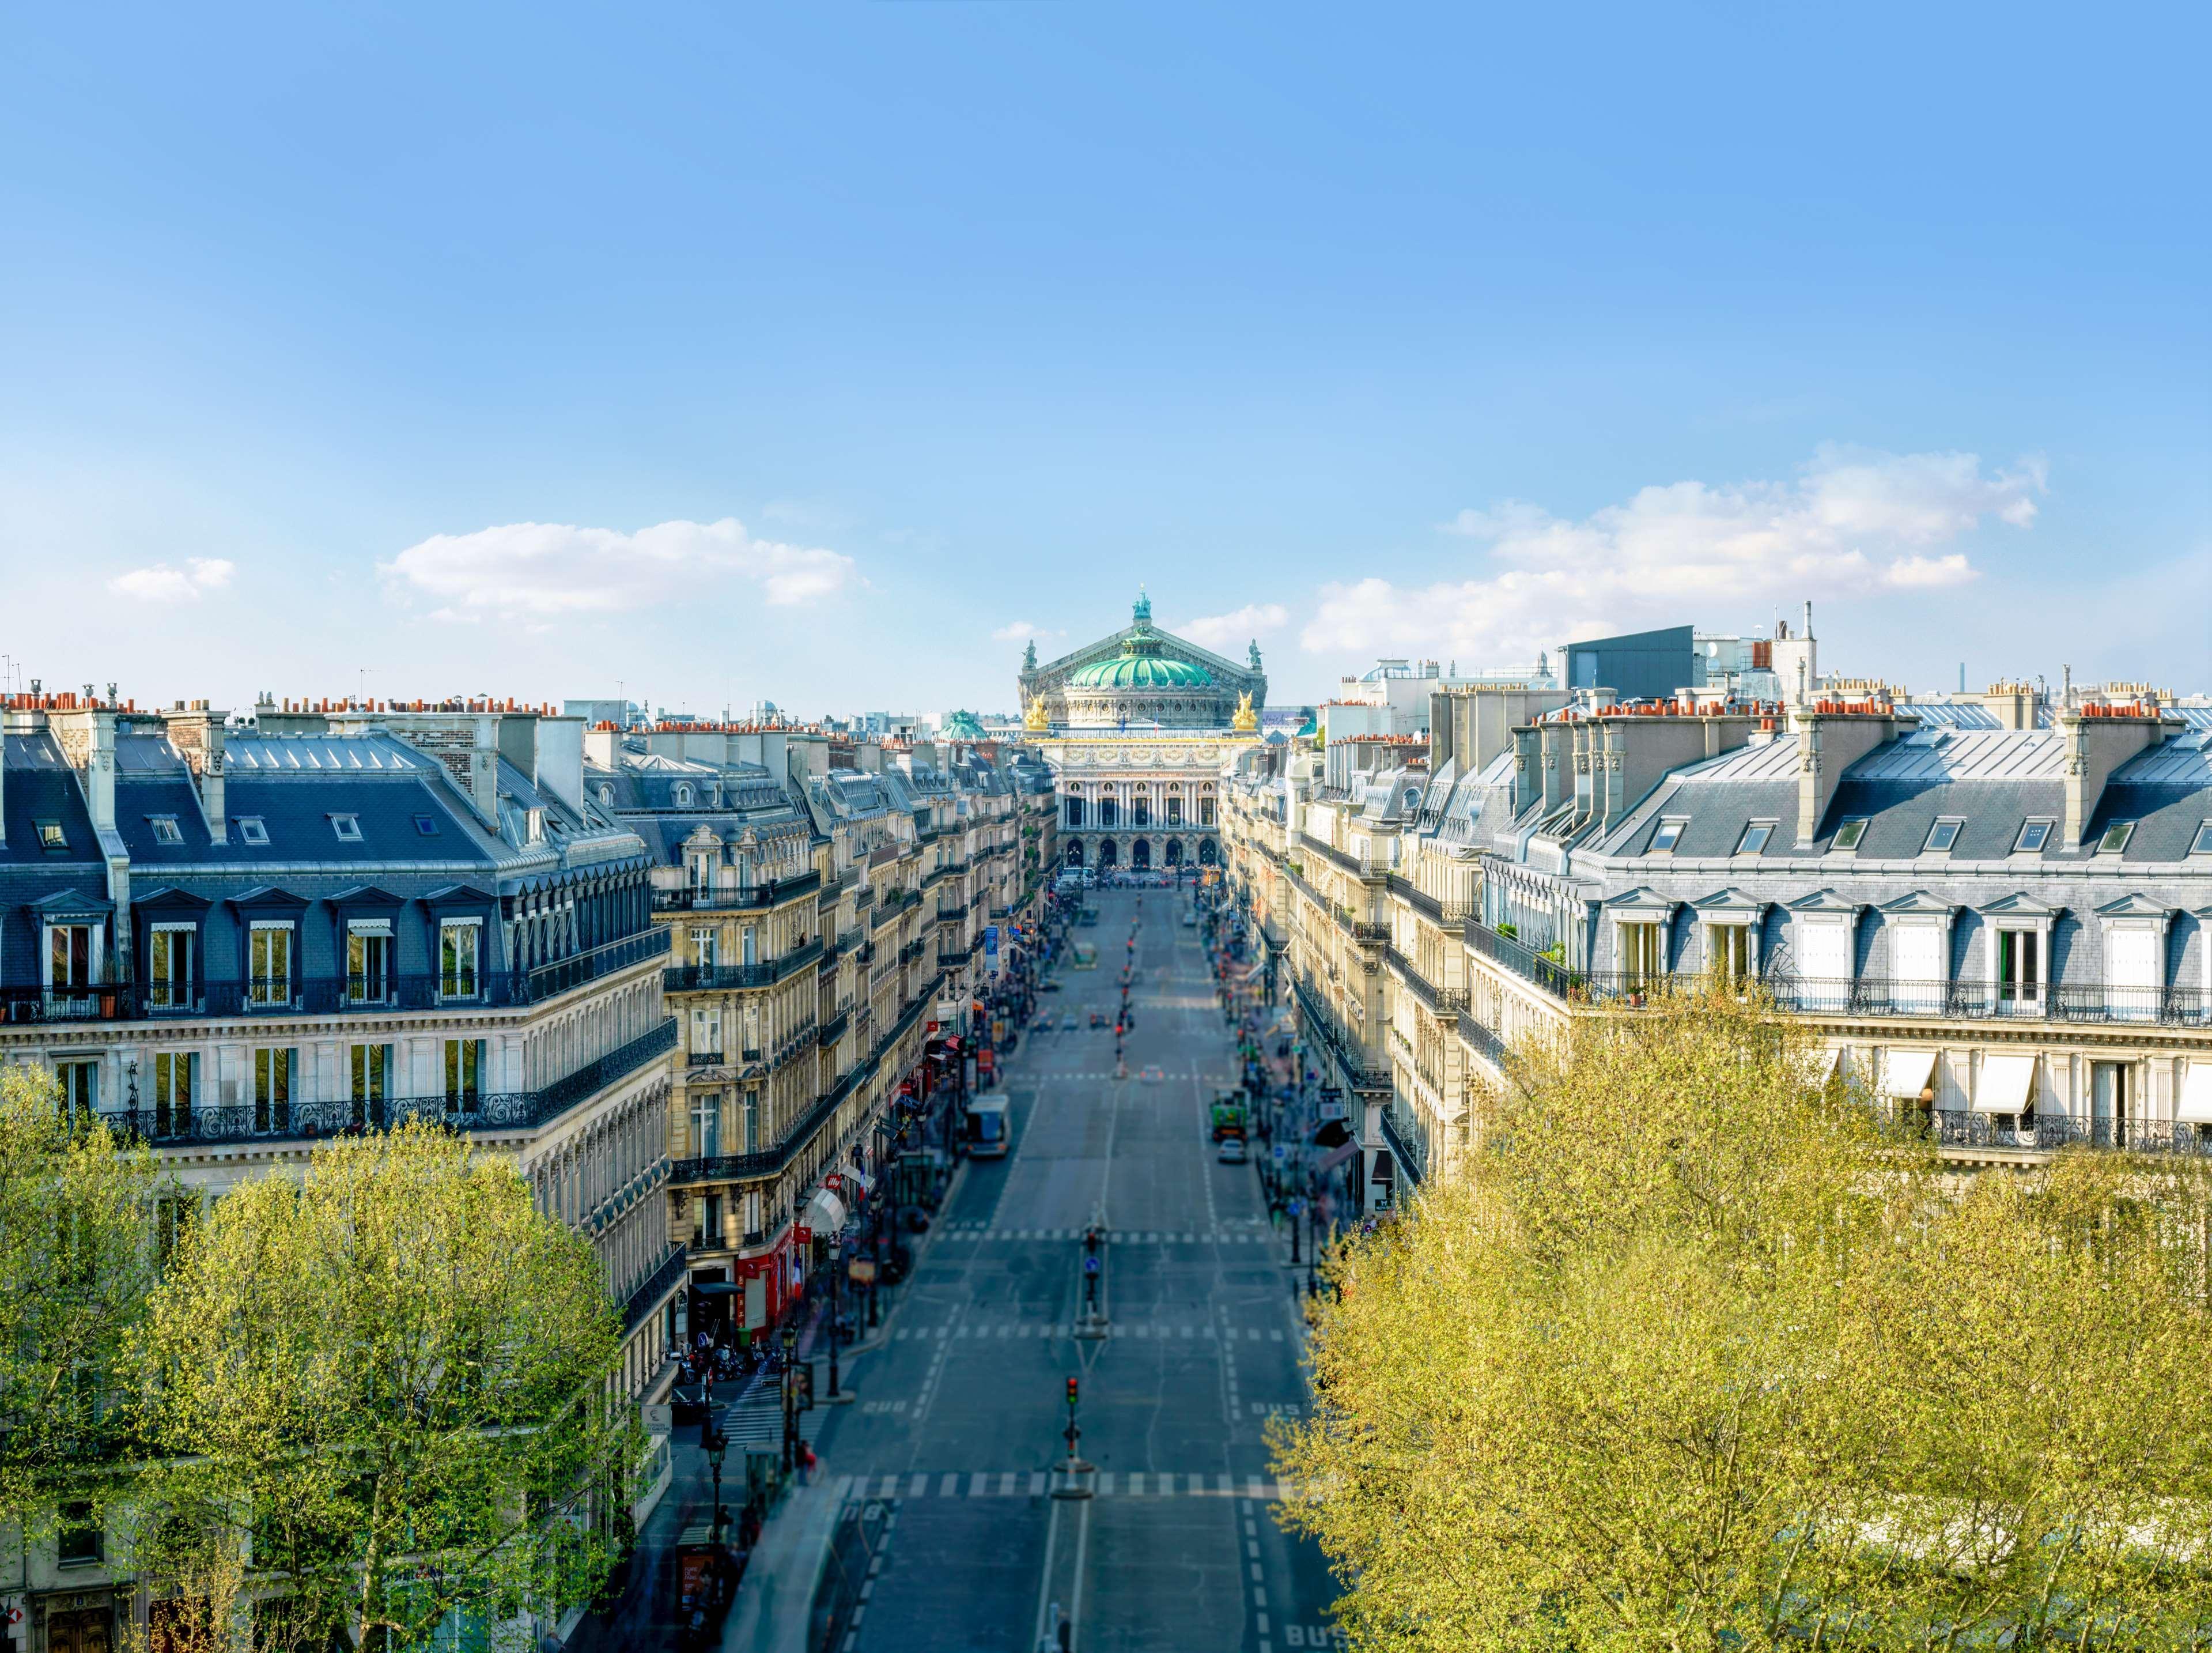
point(1105, 1487)
point(1037, 1483)
point(1006, 1484)
point(950, 1486)
point(919, 1488)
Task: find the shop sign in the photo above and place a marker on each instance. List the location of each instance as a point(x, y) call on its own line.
point(861, 1271)
point(834, 1182)
point(1327, 1111)
point(802, 1236)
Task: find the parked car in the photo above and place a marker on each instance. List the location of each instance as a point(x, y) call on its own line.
point(1233, 1152)
point(1069, 1020)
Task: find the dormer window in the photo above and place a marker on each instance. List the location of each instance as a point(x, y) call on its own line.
point(683, 794)
point(2116, 838)
point(164, 829)
point(1942, 836)
point(1848, 834)
point(607, 796)
point(251, 829)
point(2033, 835)
point(2202, 846)
point(1753, 841)
point(50, 836)
point(1669, 835)
point(427, 825)
point(348, 827)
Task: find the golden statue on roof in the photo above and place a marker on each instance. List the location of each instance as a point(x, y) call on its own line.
point(1034, 719)
point(1247, 720)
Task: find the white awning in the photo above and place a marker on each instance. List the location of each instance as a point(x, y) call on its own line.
point(825, 1213)
point(2007, 1084)
point(854, 1179)
point(1906, 1073)
point(2195, 1106)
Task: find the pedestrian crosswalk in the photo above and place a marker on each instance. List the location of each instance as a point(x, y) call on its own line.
point(1165, 1331)
point(1223, 1235)
point(1037, 1483)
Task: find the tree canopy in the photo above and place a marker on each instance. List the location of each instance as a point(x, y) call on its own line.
point(386, 1381)
point(75, 1227)
point(1703, 1354)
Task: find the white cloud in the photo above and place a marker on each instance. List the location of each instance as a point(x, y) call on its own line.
point(1016, 630)
point(1219, 632)
point(1852, 521)
point(547, 571)
point(161, 584)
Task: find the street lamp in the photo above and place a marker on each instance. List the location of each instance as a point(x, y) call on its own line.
point(790, 1399)
point(835, 1249)
point(716, 1443)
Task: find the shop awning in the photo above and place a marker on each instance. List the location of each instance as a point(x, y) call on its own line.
point(854, 1179)
point(1330, 1162)
point(2007, 1084)
point(2195, 1106)
point(1333, 1133)
point(1907, 1072)
point(825, 1213)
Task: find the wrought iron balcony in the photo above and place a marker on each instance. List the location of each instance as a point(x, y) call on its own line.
point(734, 898)
point(719, 977)
point(288, 1120)
point(341, 995)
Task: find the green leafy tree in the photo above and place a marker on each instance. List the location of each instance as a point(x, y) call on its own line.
point(387, 1383)
point(77, 1206)
point(1700, 1355)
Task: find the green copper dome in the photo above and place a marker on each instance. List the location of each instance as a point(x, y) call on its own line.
point(1141, 664)
point(960, 726)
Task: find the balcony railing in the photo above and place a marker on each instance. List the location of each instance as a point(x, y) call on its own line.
point(702, 1060)
point(1440, 1003)
point(734, 898)
point(1414, 1164)
point(1440, 913)
point(717, 978)
point(340, 995)
point(655, 1286)
point(2047, 1131)
point(288, 1120)
point(800, 1039)
point(1865, 996)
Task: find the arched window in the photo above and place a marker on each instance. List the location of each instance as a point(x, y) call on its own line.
point(607, 796)
point(683, 794)
point(1075, 852)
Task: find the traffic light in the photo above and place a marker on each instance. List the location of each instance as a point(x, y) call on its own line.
point(1071, 1391)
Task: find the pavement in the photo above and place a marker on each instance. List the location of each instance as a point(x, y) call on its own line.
point(952, 1446)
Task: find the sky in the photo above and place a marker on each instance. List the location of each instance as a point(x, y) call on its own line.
point(827, 354)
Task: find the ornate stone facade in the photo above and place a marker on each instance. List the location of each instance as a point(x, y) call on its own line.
point(1136, 728)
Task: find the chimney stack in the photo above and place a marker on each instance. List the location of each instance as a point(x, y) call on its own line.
point(196, 731)
point(1831, 737)
point(2098, 739)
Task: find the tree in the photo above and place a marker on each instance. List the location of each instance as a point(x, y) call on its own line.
point(77, 1208)
point(387, 1382)
point(1682, 1362)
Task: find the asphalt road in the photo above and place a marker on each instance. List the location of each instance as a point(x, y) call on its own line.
point(960, 1412)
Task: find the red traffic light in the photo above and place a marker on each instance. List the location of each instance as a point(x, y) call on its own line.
point(1070, 1391)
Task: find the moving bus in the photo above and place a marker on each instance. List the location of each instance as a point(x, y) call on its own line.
point(987, 1128)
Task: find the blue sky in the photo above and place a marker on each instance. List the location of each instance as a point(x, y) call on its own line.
point(827, 348)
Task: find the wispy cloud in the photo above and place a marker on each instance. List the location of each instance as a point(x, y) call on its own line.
point(1851, 521)
point(1016, 630)
point(543, 572)
point(162, 583)
point(1219, 632)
